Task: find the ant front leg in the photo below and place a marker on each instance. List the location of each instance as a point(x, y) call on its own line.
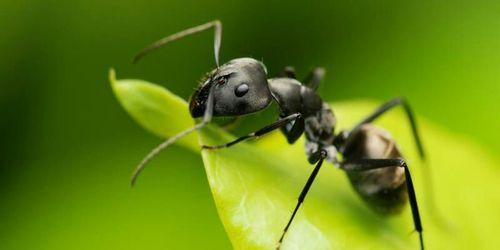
point(278, 124)
point(369, 164)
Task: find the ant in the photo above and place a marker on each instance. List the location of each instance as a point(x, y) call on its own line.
point(370, 157)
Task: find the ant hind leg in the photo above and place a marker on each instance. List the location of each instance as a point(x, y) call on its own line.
point(368, 164)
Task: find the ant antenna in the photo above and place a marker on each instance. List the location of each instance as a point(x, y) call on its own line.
point(207, 117)
point(216, 24)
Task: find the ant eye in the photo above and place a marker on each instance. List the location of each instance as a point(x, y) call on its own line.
point(241, 90)
point(221, 80)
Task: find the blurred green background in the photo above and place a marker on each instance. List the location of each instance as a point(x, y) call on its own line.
point(68, 148)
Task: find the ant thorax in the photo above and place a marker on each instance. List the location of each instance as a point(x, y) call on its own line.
point(319, 133)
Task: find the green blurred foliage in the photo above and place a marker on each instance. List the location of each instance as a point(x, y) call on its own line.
point(68, 148)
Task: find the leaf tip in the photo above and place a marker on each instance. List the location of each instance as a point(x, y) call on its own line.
point(112, 76)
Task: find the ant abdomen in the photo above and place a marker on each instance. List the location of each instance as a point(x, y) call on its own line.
point(383, 189)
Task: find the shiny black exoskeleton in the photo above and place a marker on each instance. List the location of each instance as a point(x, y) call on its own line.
point(370, 157)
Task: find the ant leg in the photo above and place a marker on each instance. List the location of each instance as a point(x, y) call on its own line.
point(314, 78)
point(320, 155)
point(384, 108)
point(207, 117)
point(280, 123)
point(289, 72)
point(216, 24)
point(368, 164)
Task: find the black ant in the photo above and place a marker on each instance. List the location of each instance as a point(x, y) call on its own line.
point(370, 157)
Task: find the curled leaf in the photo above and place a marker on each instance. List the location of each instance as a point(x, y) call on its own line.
point(153, 107)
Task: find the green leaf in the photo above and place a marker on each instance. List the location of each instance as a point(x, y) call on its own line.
point(255, 184)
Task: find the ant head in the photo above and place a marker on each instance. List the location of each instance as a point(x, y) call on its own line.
point(240, 87)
